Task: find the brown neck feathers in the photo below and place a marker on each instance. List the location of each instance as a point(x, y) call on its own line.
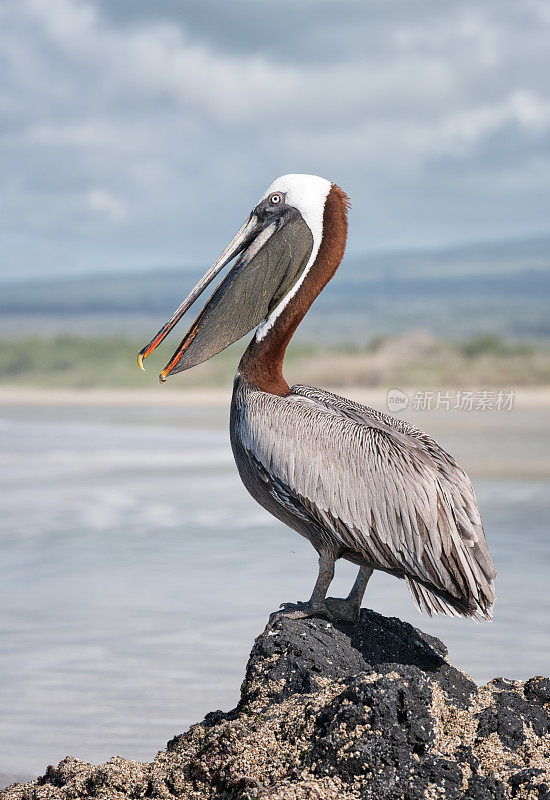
point(262, 363)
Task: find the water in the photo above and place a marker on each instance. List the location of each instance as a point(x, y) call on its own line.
point(136, 572)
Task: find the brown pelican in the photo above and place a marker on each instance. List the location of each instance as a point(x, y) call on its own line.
point(359, 484)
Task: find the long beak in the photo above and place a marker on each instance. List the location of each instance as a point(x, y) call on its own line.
point(242, 238)
point(236, 278)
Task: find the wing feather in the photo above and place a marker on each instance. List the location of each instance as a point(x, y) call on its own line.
point(382, 487)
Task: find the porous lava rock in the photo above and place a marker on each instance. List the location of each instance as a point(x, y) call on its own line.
point(370, 711)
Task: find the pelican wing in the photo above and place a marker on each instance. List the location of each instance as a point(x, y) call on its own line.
point(384, 489)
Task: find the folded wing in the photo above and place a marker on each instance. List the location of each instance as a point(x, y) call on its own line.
point(385, 490)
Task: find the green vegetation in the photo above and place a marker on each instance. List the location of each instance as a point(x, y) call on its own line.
point(82, 362)
point(487, 344)
point(417, 358)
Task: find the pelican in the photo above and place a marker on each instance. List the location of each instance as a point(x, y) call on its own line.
point(357, 483)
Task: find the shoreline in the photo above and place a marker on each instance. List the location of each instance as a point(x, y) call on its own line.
point(526, 398)
point(419, 727)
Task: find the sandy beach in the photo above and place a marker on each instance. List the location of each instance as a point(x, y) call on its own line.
point(526, 398)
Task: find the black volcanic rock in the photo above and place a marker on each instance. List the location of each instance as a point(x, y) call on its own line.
point(371, 711)
point(538, 690)
point(298, 654)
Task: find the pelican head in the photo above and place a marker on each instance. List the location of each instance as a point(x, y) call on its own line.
point(274, 250)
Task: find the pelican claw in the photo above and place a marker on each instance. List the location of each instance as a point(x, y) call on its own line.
point(299, 611)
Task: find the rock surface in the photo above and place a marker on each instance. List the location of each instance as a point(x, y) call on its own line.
point(335, 711)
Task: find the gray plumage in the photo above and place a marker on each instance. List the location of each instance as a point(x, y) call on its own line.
point(366, 487)
point(358, 484)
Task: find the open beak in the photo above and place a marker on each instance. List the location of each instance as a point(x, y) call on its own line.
point(243, 236)
point(272, 254)
point(269, 262)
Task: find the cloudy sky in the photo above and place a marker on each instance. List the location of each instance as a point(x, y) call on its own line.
point(139, 133)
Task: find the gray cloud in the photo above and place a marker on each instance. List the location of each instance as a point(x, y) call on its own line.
point(137, 133)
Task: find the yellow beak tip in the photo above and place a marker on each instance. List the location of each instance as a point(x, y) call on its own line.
point(140, 362)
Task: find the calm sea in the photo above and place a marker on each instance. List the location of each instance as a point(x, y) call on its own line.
point(136, 572)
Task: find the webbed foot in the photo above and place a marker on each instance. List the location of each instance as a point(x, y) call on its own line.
point(299, 611)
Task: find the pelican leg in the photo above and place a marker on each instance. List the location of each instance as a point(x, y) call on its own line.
point(315, 606)
point(347, 609)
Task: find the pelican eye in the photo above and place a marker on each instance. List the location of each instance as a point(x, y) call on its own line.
point(275, 199)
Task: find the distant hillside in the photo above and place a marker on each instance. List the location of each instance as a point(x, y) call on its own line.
point(415, 359)
point(500, 288)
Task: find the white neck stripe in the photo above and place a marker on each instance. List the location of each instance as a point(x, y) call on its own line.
point(308, 194)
